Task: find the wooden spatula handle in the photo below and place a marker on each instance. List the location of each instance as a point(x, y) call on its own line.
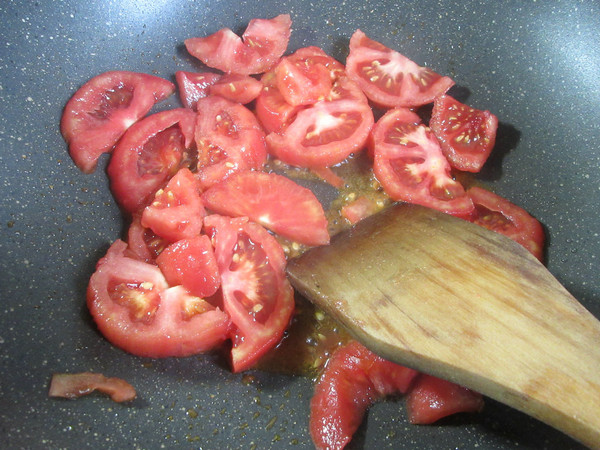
point(458, 301)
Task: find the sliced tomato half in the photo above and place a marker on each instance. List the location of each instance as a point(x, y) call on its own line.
point(257, 51)
point(432, 398)
point(256, 293)
point(352, 381)
point(409, 164)
point(498, 214)
point(149, 154)
point(177, 209)
point(104, 108)
point(389, 78)
point(326, 133)
point(274, 201)
point(229, 139)
point(467, 135)
point(137, 311)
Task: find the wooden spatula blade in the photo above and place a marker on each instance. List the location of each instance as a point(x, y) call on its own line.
point(453, 299)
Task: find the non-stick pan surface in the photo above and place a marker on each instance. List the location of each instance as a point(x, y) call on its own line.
point(536, 65)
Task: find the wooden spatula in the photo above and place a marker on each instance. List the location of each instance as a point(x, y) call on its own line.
point(458, 301)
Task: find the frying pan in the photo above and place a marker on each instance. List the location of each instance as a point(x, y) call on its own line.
point(536, 65)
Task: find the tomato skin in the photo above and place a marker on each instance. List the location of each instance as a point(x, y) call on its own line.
point(409, 164)
point(274, 201)
point(354, 378)
point(177, 210)
point(165, 328)
point(191, 263)
point(194, 86)
point(498, 214)
point(358, 209)
point(432, 399)
point(229, 139)
point(467, 135)
point(257, 51)
point(256, 293)
point(102, 110)
point(327, 132)
point(150, 152)
point(142, 242)
point(390, 79)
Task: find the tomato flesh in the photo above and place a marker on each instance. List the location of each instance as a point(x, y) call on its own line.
point(432, 399)
point(136, 310)
point(274, 201)
point(229, 139)
point(467, 135)
point(327, 132)
point(353, 380)
point(498, 214)
point(191, 263)
point(194, 86)
point(390, 79)
point(149, 154)
point(104, 108)
point(409, 164)
point(257, 51)
point(177, 210)
point(256, 293)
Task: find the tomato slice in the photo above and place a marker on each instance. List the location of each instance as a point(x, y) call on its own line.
point(237, 88)
point(192, 264)
point(256, 293)
point(273, 112)
point(135, 309)
point(327, 132)
point(102, 109)
point(431, 399)
point(409, 164)
point(194, 86)
point(467, 135)
point(353, 380)
point(177, 210)
point(257, 51)
point(389, 78)
point(274, 201)
point(498, 214)
point(229, 139)
point(149, 154)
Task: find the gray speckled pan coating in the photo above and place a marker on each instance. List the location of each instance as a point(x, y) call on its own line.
point(535, 64)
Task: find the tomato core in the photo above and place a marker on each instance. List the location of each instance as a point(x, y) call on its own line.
point(139, 298)
point(162, 151)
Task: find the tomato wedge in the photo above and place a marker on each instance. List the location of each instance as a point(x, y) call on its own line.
point(432, 399)
point(274, 201)
point(409, 164)
point(237, 88)
point(326, 133)
point(194, 86)
point(135, 309)
point(498, 214)
point(257, 51)
point(192, 264)
point(229, 139)
point(273, 112)
point(142, 242)
point(103, 108)
point(149, 154)
point(353, 380)
point(177, 210)
point(389, 78)
point(467, 135)
point(256, 293)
